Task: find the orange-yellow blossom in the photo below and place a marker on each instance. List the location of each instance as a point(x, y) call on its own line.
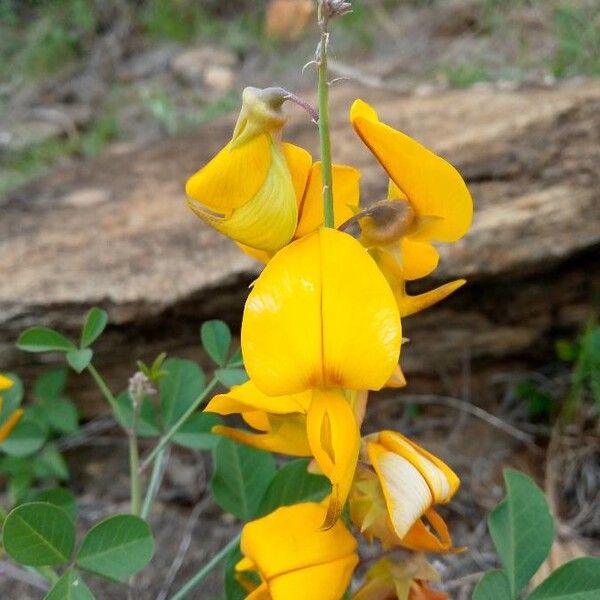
point(428, 201)
point(308, 186)
point(394, 501)
point(322, 319)
point(292, 555)
point(10, 421)
point(246, 190)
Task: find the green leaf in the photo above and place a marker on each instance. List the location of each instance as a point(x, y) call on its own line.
point(60, 497)
point(294, 484)
point(579, 579)
point(492, 586)
point(39, 534)
point(230, 377)
point(19, 485)
point(117, 547)
point(26, 438)
point(196, 433)
point(241, 477)
point(50, 464)
point(237, 360)
point(70, 587)
point(182, 385)
point(216, 339)
point(79, 359)
point(147, 422)
point(51, 384)
point(44, 339)
point(522, 529)
point(94, 325)
point(61, 415)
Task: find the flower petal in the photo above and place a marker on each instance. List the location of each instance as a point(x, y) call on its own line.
point(233, 176)
point(432, 185)
point(320, 315)
point(284, 434)
point(406, 492)
point(345, 196)
point(409, 305)
point(248, 397)
point(299, 162)
point(5, 382)
point(266, 220)
point(419, 259)
point(10, 424)
point(442, 480)
point(431, 537)
point(334, 439)
point(327, 581)
point(289, 539)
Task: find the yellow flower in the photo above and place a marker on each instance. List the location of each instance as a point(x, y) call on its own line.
point(322, 318)
point(308, 186)
point(12, 420)
point(292, 555)
point(393, 500)
point(246, 190)
point(439, 203)
point(427, 201)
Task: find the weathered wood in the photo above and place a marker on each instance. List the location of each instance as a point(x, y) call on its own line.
point(116, 232)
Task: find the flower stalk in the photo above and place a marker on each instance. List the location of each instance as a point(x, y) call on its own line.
point(324, 134)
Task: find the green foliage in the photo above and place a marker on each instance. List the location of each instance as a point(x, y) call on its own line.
point(577, 34)
point(293, 484)
point(576, 580)
point(230, 377)
point(465, 75)
point(70, 587)
point(183, 383)
point(94, 324)
point(58, 497)
point(147, 421)
point(493, 586)
point(176, 20)
point(522, 530)
point(196, 434)
point(44, 339)
point(39, 534)
point(78, 360)
point(216, 339)
point(241, 477)
point(539, 403)
point(117, 547)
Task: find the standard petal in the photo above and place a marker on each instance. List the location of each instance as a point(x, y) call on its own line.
point(406, 492)
point(431, 184)
point(334, 439)
point(440, 478)
point(289, 539)
point(233, 176)
point(345, 197)
point(321, 315)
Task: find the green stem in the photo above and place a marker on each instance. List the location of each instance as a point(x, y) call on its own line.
point(166, 438)
point(324, 137)
point(154, 484)
point(103, 387)
point(134, 474)
point(199, 577)
point(49, 574)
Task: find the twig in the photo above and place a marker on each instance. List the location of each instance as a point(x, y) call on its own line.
point(184, 545)
point(475, 411)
